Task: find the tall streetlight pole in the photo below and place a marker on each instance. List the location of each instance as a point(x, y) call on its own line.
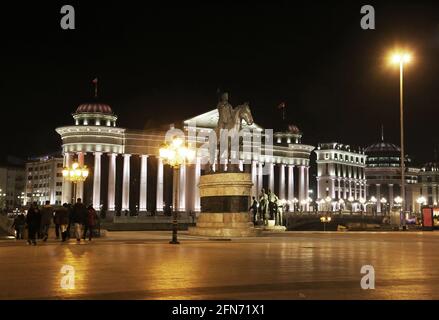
point(401, 58)
point(176, 154)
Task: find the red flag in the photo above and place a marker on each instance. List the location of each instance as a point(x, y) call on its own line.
point(282, 105)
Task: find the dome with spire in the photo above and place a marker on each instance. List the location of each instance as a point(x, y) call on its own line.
point(94, 108)
point(95, 114)
point(384, 154)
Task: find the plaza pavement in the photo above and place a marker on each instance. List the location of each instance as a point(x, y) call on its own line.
point(290, 265)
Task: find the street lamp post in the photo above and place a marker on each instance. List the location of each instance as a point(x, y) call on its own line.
point(401, 58)
point(75, 174)
point(175, 154)
point(325, 220)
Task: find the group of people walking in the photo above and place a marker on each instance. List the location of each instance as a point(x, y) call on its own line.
point(39, 220)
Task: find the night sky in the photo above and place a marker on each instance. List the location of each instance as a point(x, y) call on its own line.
point(158, 65)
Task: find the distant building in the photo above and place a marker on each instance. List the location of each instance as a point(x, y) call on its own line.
point(44, 179)
point(428, 183)
point(12, 180)
point(383, 174)
point(340, 175)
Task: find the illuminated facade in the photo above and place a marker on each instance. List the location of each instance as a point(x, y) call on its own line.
point(383, 174)
point(12, 179)
point(340, 175)
point(44, 180)
point(127, 174)
point(428, 183)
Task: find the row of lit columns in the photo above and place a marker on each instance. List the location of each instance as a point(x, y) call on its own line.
point(188, 180)
point(180, 200)
point(378, 196)
point(285, 179)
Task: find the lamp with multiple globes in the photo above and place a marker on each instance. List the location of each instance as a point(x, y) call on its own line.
point(176, 154)
point(75, 174)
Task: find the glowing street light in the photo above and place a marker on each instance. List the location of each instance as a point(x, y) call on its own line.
point(401, 58)
point(75, 174)
point(175, 154)
point(398, 200)
point(325, 220)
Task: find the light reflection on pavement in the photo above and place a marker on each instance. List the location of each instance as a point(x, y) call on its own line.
point(292, 265)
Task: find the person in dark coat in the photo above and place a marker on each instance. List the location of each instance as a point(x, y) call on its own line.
point(79, 216)
point(62, 220)
point(46, 219)
point(18, 225)
point(33, 221)
point(91, 222)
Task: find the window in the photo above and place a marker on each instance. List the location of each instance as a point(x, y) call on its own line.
point(58, 193)
point(59, 174)
point(59, 165)
point(59, 184)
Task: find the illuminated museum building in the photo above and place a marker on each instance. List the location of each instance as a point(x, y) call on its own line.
point(340, 176)
point(383, 175)
point(126, 173)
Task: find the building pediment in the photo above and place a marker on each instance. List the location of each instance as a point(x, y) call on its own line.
point(210, 119)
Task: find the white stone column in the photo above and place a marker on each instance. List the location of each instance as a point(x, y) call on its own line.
point(254, 175)
point(271, 177)
point(97, 181)
point(307, 186)
point(355, 190)
point(332, 188)
point(112, 182)
point(350, 188)
point(159, 195)
point(339, 188)
point(67, 185)
point(301, 184)
point(378, 198)
point(126, 182)
point(182, 189)
point(260, 177)
point(345, 189)
point(80, 185)
point(197, 203)
point(143, 183)
point(291, 187)
point(282, 181)
point(241, 165)
point(391, 195)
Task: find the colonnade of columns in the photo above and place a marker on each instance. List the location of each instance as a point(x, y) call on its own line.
point(187, 193)
point(285, 180)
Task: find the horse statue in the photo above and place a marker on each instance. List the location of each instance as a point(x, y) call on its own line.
point(234, 123)
point(230, 119)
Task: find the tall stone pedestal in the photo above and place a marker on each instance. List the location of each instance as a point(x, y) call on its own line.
point(224, 205)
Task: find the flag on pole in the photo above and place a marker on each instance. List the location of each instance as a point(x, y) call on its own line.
point(282, 106)
point(95, 82)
